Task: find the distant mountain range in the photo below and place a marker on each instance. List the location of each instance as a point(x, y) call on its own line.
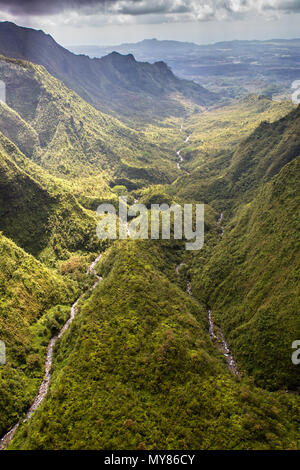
point(233, 67)
point(156, 49)
point(148, 49)
point(114, 84)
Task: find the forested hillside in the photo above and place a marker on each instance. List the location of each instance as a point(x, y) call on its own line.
point(152, 346)
point(70, 138)
point(251, 281)
point(46, 220)
point(34, 304)
point(137, 370)
point(235, 149)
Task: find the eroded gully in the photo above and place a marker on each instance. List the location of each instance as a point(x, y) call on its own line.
point(44, 387)
point(215, 332)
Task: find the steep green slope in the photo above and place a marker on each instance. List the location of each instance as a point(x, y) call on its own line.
point(90, 190)
point(231, 151)
point(18, 130)
point(219, 131)
point(252, 284)
point(24, 206)
point(70, 138)
point(115, 84)
point(33, 303)
point(263, 154)
point(137, 370)
point(42, 218)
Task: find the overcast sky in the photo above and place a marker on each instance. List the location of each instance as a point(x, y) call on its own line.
point(116, 21)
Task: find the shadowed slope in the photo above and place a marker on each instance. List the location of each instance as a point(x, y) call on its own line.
point(114, 84)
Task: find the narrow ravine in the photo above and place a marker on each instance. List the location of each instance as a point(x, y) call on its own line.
point(91, 270)
point(217, 336)
point(43, 390)
point(215, 332)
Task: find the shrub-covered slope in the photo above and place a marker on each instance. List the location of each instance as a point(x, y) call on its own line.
point(137, 370)
point(33, 303)
point(252, 279)
point(217, 133)
point(44, 219)
point(65, 135)
point(263, 154)
point(234, 152)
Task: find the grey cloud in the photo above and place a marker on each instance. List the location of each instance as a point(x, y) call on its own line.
point(289, 6)
point(145, 7)
point(192, 9)
point(45, 7)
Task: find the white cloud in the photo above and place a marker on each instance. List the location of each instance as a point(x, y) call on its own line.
point(99, 12)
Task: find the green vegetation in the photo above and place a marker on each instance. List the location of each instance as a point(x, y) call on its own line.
point(46, 223)
point(33, 303)
point(230, 149)
point(252, 281)
point(137, 370)
point(70, 138)
point(221, 130)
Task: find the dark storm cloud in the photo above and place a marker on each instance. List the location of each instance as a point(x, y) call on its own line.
point(126, 7)
point(45, 7)
point(197, 9)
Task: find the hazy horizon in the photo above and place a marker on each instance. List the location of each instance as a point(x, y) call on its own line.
point(293, 38)
point(113, 22)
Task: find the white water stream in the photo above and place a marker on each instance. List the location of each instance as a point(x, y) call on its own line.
point(180, 158)
point(217, 337)
point(43, 390)
point(222, 345)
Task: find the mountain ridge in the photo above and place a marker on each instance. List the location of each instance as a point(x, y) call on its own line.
point(229, 68)
point(107, 83)
point(68, 136)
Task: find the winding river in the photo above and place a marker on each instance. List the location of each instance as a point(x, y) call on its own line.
point(220, 220)
point(43, 390)
point(180, 159)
